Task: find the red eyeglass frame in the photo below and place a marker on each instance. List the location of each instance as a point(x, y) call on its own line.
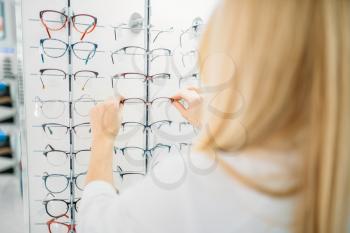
point(48, 29)
point(67, 225)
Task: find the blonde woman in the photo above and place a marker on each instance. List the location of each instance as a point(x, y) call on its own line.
point(273, 154)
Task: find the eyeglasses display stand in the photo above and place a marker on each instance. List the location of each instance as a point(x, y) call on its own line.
point(78, 53)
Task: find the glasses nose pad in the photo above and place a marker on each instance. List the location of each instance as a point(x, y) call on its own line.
point(148, 154)
point(148, 128)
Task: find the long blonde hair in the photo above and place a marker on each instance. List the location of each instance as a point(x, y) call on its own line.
point(276, 73)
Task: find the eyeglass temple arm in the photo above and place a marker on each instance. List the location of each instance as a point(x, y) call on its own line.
point(162, 145)
point(41, 80)
point(48, 128)
point(88, 56)
point(83, 88)
point(182, 34)
point(112, 53)
point(42, 55)
point(86, 30)
point(48, 31)
point(120, 26)
point(160, 32)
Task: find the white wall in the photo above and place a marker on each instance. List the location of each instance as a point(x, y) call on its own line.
point(165, 13)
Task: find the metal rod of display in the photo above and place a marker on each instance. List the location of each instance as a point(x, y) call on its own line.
point(147, 35)
point(71, 122)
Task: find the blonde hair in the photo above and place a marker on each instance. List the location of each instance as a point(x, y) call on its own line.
point(276, 74)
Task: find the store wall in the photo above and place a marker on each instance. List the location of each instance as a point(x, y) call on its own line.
point(177, 14)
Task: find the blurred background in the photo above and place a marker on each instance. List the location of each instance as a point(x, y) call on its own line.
point(11, 211)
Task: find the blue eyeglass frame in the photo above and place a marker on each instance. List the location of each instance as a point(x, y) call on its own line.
point(68, 47)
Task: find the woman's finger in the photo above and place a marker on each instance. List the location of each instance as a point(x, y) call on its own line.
point(188, 95)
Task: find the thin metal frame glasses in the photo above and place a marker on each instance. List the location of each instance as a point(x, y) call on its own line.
point(53, 109)
point(137, 50)
point(156, 124)
point(140, 76)
point(59, 131)
point(143, 152)
point(148, 103)
point(81, 74)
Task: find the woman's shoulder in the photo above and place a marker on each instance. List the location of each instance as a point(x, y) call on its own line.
point(197, 179)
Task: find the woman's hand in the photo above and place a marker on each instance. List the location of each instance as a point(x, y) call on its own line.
point(193, 102)
point(105, 119)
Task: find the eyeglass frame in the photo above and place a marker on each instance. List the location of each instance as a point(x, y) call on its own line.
point(145, 127)
point(67, 153)
point(37, 99)
point(68, 178)
point(43, 126)
point(41, 71)
point(68, 47)
point(194, 75)
point(125, 26)
point(146, 77)
point(126, 173)
point(142, 48)
point(54, 221)
point(145, 151)
point(194, 27)
point(68, 204)
point(66, 17)
point(148, 103)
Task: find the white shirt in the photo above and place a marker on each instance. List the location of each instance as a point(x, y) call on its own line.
point(189, 195)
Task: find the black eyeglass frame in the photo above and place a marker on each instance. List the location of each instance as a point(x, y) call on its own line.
point(68, 204)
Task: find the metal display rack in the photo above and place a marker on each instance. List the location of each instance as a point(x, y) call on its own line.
point(71, 120)
point(147, 35)
point(147, 39)
point(156, 34)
